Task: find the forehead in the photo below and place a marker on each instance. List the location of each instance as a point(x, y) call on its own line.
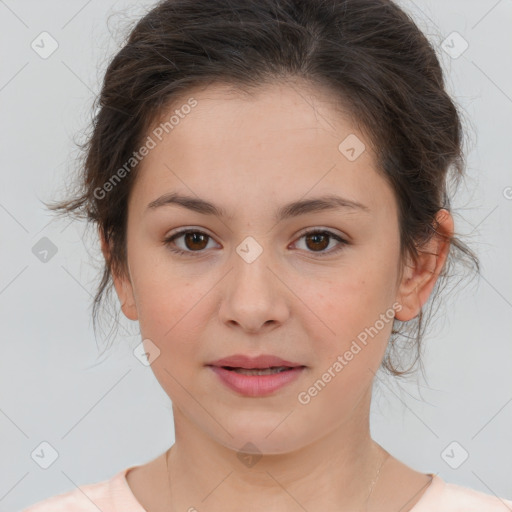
point(281, 137)
point(292, 109)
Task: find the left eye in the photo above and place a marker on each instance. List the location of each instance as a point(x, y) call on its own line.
point(320, 239)
point(196, 241)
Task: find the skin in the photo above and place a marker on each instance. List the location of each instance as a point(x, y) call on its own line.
point(251, 155)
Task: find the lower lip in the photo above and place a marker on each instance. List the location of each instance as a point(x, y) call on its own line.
point(256, 385)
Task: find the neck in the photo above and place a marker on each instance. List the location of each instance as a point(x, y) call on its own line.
point(335, 471)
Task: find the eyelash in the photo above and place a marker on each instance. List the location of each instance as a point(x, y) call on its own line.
point(330, 234)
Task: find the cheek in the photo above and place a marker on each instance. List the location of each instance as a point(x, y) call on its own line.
point(356, 307)
point(169, 308)
point(172, 316)
point(173, 311)
point(162, 294)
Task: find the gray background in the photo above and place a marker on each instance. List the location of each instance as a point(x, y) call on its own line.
point(102, 414)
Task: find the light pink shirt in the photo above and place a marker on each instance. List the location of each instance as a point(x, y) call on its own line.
point(115, 495)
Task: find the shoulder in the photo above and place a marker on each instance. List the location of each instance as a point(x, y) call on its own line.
point(457, 498)
point(107, 496)
point(82, 499)
point(465, 499)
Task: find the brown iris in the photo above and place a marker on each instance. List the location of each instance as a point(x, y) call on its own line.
point(315, 237)
point(192, 238)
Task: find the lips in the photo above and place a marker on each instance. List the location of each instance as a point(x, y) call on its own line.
point(253, 363)
point(257, 383)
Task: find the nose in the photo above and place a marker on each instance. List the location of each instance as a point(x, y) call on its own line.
point(254, 297)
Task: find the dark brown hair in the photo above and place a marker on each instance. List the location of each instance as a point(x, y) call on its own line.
point(369, 53)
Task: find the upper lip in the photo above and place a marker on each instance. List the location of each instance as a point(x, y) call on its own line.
point(261, 361)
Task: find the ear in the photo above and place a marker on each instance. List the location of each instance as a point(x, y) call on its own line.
point(122, 284)
point(419, 277)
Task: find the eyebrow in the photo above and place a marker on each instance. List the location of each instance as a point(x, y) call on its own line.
point(294, 209)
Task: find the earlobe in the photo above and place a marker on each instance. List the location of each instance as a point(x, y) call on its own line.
point(126, 296)
point(122, 284)
point(420, 276)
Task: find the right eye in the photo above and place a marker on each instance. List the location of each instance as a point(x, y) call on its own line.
point(193, 239)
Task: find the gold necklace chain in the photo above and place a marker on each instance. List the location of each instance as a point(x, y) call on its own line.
point(375, 480)
point(366, 502)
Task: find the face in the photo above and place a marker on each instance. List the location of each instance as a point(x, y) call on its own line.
point(255, 280)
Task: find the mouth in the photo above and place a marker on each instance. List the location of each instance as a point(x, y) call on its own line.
point(257, 382)
point(256, 376)
point(248, 362)
point(261, 371)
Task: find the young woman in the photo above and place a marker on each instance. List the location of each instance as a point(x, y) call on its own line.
point(268, 180)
